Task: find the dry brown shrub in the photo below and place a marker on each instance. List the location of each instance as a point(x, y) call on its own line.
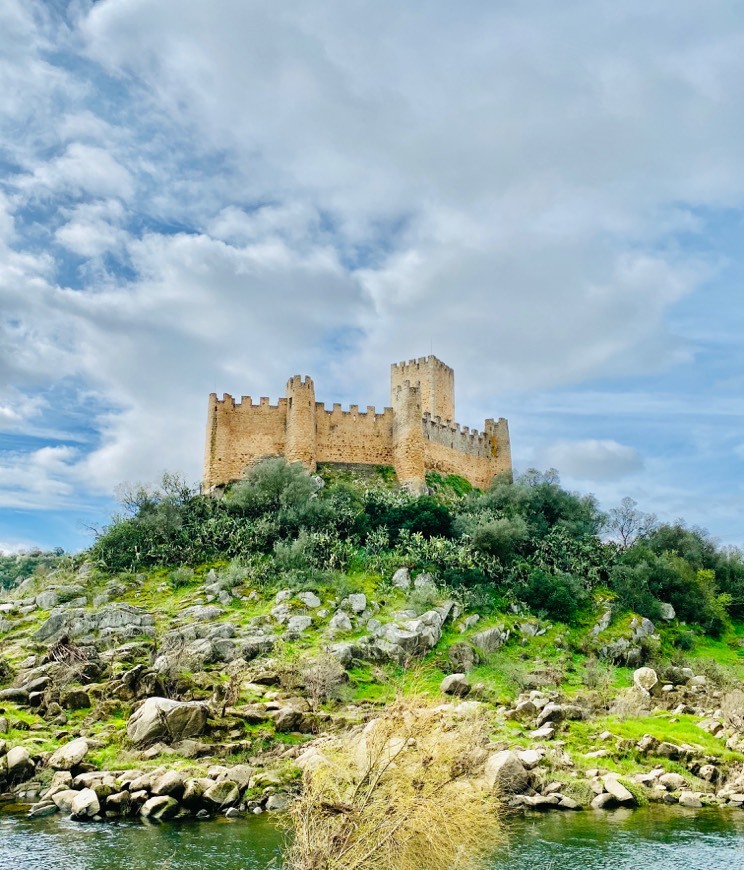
point(630, 704)
point(732, 707)
point(403, 793)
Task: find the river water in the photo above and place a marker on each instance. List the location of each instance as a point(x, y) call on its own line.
point(658, 838)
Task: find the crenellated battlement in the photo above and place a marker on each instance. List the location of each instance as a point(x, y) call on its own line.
point(337, 411)
point(418, 363)
point(456, 437)
point(246, 403)
point(416, 434)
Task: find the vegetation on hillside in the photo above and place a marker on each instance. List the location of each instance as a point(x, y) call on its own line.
point(280, 608)
point(17, 566)
point(529, 542)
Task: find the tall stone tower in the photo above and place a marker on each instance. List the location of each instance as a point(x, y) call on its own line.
point(435, 380)
point(301, 443)
point(408, 436)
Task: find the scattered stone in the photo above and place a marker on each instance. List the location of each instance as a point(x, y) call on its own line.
point(165, 719)
point(277, 803)
point(222, 794)
point(298, 624)
point(621, 794)
point(689, 799)
point(402, 578)
point(170, 784)
point(541, 802)
point(505, 771)
point(310, 599)
point(490, 639)
point(525, 709)
point(462, 657)
point(18, 764)
point(69, 755)
point(340, 622)
point(63, 799)
point(74, 699)
point(545, 732)
point(455, 684)
point(358, 602)
point(160, 808)
point(42, 809)
point(530, 758)
point(645, 679)
point(603, 623)
point(424, 580)
point(85, 804)
point(604, 801)
point(558, 712)
point(672, 781)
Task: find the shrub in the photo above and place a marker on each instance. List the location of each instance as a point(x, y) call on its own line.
point(640, 797)
point(271, 485)
point(598, 676)
point(401, 794)
point(559, 596)
point(322, 678)
point(732, 707)
point(181, 577)
point(499, 537)
point(580, 791)
point(6, 670)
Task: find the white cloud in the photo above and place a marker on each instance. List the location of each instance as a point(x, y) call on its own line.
point(42, 479)
point(92, 228)
point(81, 169)
point(12, 548)
point(252, 185)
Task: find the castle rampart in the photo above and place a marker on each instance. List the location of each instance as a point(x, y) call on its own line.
point(417, 434)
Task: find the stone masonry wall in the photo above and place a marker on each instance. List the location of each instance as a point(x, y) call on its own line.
point(240, 432)
point(354, 436)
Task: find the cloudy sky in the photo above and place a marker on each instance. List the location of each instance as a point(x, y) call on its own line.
point(201, 197)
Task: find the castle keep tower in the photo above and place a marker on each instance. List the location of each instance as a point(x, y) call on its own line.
point(417, 434)
point(435, 380)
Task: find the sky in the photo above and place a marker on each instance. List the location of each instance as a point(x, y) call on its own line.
point(200, 197)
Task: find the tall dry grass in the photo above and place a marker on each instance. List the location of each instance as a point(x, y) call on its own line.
point(404, 793)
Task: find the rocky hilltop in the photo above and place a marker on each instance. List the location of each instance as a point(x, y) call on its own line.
point(212, 687)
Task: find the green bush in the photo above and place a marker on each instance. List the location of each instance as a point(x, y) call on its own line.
point(559, 596)
point(272, 485)
point(181, 577)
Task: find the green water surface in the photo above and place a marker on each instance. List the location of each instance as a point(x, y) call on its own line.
point(657, 838)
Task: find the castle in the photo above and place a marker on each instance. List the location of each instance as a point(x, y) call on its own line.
point(417, 434)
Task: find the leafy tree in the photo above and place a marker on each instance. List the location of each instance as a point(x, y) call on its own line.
point(543, 504)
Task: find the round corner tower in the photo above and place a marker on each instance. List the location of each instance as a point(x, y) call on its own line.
point(301, 443)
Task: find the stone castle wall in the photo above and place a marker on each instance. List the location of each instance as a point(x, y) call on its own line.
point(415, 435)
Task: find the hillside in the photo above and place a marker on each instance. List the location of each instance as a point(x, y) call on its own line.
point(205, 651)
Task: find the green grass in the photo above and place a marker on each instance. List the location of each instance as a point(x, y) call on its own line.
point(725, 652)
point(581, 737)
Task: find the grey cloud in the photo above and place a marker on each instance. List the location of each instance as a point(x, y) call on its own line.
point(592, 460)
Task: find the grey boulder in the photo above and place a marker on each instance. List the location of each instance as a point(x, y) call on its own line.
point(167, 720)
